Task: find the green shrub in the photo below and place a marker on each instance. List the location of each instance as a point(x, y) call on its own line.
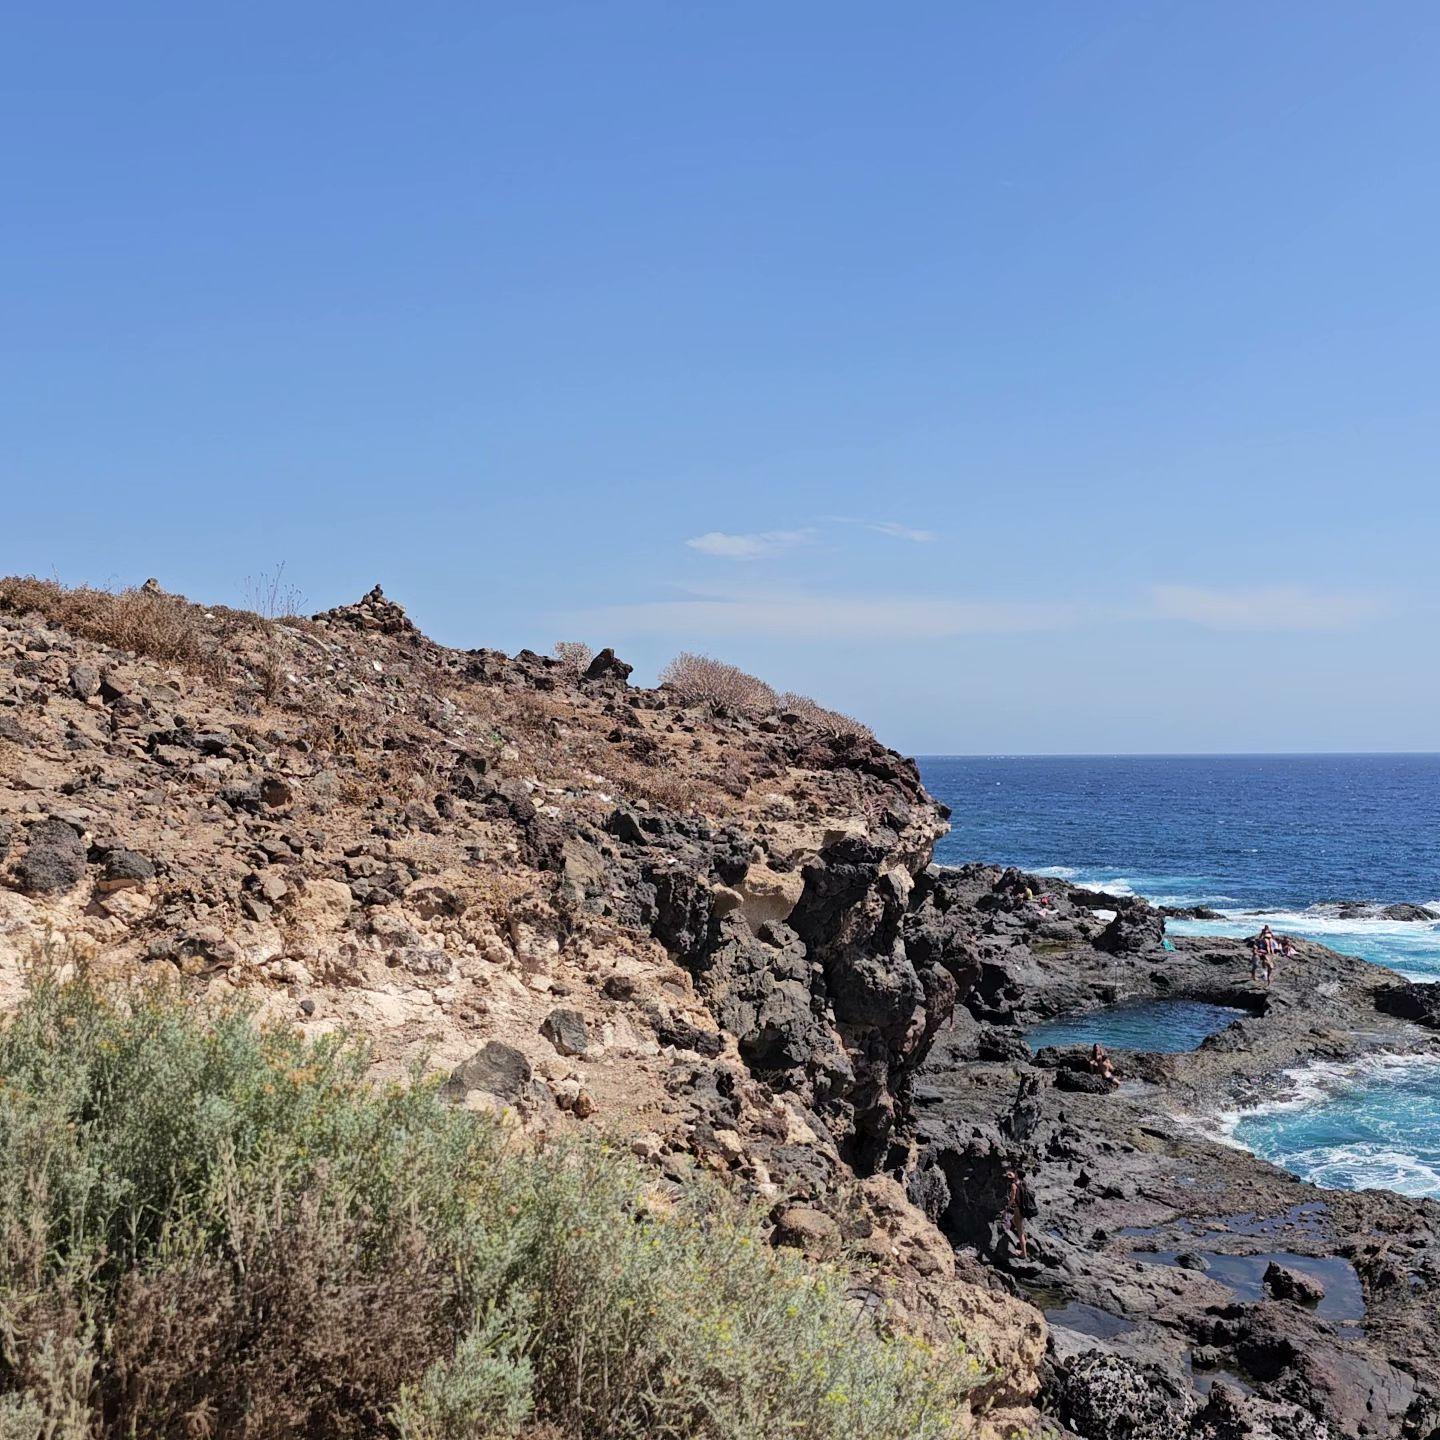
point(207, 1229)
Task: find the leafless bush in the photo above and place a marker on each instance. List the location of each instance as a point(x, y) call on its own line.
point(703, 680)
point(834, 721)
point(271, 596)
point(574, 655)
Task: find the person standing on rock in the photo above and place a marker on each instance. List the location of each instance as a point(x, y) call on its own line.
point(1019, 1202)
point(1262, 956)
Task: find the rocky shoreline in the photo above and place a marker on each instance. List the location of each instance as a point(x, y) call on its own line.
point(1174, 1269)
point(715, 933)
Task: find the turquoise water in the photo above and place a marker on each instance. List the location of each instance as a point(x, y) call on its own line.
point(1373, 1126)
point(1165, 1027)
point(1277, 839)
point(1410, 948)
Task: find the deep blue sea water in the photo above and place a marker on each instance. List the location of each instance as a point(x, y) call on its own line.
point(1277, 839)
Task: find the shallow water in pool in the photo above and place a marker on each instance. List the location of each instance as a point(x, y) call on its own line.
point(1166, 1027)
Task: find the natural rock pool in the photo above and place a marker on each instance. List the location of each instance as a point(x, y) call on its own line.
point(1165, 1027)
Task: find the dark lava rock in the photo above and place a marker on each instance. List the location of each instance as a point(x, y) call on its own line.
point(125, 869)
point(1135, 929)
point(84, 681)
point(1408, 1000)
point(496, 1068)
point(54, 861)
point(607, 666)
point(1287, 1284)
point(1408, 912)
point(1105, 1397)
point(1190, 1260)
point(1230, 1415)
point(685, 1036)
point(1082, 1082)
point(566, 1031)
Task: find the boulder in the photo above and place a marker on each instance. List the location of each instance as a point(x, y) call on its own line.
point(1411, 1000)
point(608, 667)
point(84, 681)
point(1133, 930)
point(800, 1228)
point(124, 870)
point(1286, 1284)
point(1409, 912)
point(497, 1069)
point(54, 860)
point(566, 1031)
point(1106, 1397)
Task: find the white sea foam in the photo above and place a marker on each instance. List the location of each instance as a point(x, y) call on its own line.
point(1409, 947)
point(1371, 1163)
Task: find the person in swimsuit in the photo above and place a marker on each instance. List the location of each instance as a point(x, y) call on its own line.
point(1259, 961)
point(1017, 1201)
point(1101, 1064)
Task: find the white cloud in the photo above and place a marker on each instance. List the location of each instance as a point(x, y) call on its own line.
point(893, 528)
point(902, 532)
point(813, 617)
point(759, 545)
point(1283, 607)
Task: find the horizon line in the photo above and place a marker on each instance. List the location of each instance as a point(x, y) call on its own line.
point(1178, 755)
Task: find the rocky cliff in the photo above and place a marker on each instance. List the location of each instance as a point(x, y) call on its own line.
point(714, 934)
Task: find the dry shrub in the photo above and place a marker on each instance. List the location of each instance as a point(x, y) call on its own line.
point(269, 673)
point(305, 1332)
point(703, 680)
point(272, 597)
point(143, 621)
point(574, 655)
point(834, 721)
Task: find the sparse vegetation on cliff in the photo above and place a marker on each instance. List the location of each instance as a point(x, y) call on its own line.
point(703, 680)
point(211, 1229)
point(143, 620)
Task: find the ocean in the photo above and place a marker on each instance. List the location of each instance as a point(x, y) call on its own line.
point(1297, 841)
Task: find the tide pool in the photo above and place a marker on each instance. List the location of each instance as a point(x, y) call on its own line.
point(1164, 1027)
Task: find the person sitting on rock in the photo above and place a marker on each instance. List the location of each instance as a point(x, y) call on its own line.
point(1101, 1064)
point(1287, 948)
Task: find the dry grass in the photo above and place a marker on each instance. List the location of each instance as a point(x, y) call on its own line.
point(272, 597)
point(144, 622)
point(665, 786)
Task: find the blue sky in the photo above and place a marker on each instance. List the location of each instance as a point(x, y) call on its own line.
point(1021, 377)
